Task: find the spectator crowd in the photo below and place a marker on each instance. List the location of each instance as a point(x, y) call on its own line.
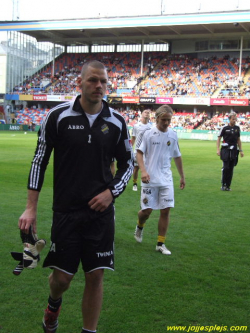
point(180, 120)
point(161, 75)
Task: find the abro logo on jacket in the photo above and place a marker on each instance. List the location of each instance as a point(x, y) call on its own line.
point(76, 127)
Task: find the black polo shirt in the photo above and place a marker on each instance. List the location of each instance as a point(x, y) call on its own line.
point(230, 134)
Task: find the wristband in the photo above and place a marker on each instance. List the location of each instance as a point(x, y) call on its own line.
point(241, 151)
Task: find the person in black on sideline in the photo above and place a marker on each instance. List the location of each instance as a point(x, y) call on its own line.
point(229, 150)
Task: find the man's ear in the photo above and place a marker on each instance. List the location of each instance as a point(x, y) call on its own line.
point(79, 82)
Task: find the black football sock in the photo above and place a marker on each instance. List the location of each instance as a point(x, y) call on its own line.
point(54, 305)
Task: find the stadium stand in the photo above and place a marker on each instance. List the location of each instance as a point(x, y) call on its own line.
point(180, 120)
point(28, 116)
point(163, 75)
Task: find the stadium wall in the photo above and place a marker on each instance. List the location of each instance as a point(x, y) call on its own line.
point(14, 128)
point(189, 47)
point(182, 133)
point(183, 47)
point(206, 135)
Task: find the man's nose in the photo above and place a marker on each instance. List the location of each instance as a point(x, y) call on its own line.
point(98, 83)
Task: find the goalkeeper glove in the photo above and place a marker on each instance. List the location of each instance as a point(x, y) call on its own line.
point(30, 255)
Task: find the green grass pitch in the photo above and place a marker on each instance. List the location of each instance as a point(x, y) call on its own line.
point(204, 282)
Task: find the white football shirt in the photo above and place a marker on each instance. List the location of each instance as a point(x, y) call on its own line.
point(158, 149)
point(138, 131)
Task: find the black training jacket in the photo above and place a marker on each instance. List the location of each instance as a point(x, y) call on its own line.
point(82, 155)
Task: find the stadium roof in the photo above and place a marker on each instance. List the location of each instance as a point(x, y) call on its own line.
point(130, 30)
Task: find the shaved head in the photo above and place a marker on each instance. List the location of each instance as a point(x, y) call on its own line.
point(94, 64)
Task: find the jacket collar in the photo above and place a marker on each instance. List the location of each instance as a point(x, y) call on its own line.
point(78, 108)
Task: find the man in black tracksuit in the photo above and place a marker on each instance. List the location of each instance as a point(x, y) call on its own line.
point(85, 136)
point(229, 150)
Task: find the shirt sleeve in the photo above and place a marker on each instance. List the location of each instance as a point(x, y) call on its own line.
point(221, 132)
point(176, 152)
point(142, 145)
point(134, 130)
point(44, 147)
point(125, 164)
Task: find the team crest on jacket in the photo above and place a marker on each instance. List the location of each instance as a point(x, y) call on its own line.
point(145, 201)
point(105, 129)
point(168, 143)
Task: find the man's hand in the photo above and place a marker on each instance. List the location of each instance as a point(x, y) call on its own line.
point(101, 202)
point(182, 183)
point(145, 178)
point(26, 220)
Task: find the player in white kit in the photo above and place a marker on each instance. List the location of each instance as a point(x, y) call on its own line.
point(136, 138)
point(159, 145)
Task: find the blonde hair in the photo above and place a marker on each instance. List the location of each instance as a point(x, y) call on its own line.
point(232, 114)
point(163, 110)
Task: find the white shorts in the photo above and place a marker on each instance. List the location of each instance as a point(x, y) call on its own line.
point(157, 197)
